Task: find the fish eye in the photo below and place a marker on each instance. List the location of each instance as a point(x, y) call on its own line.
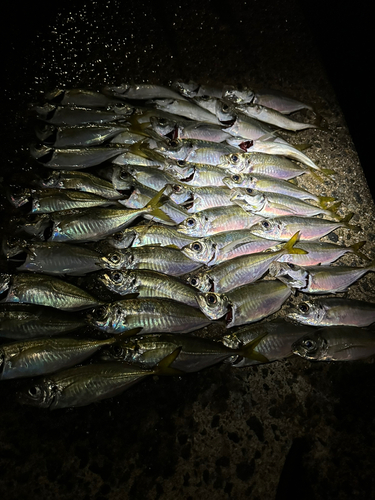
point(309, 344)
point(117, 350)
point(194, 281)
point(99, 313)
point(118, 236)
point(115, 258)
point(190, 222)
point(236, 178)
point(181, 163)
point(211, 299)
point(234, 158)
point(266, 224)
point(34, 391)
point(249, 190)
point(291, 265)
point(173, 143)
point(162, 122)
point(124, 174)
point(225, 108)
point(117, 277)
point(303, 307)
point(205, 98)
point(177, 188)
point(197, 246)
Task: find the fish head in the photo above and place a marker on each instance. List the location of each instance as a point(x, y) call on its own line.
point(114, 352)
point(307, 312)
point(109, 318)
point(214, 305)
point(310, 346)
point(120, 281)
point(178, 193)
point(120, 109)
point(201, 281)
point(238, 180)
point(236, 96)
point(189, 89)
point(234, 162)
point(268, 228)
point(122, 179)
point(115, 260)
point(248, 198)
point(292, 275)
point(181, 170)
point(194, 225)
point(123, 239)
point(162, 126)
point(203, 251)
point(41, 393)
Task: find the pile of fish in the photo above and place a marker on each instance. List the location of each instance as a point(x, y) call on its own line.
point(156, 217)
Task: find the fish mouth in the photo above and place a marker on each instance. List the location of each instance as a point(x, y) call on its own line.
point(246, 145)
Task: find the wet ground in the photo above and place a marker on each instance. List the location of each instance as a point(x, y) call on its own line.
point(290, 429)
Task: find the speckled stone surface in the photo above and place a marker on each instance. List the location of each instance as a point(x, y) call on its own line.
point(290, 429)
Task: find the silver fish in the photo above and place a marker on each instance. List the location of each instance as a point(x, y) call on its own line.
point(275, 341)
point(56, 200)
point(278, 100)
point(340, 343)
point(80, 181)
point(216, 220)
point(49, 291)
point(75, 158)
point(79, 97)
point(83, 385)
point(29, 358)
point(150, 314)
point(245, 304)
point(318, 279)
point(147, 283)
point(141, 91)
point(333, 311)
point(23, 321)
point(185, 108)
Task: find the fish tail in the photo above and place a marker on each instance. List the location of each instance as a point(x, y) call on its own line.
point(289, 245)
point(332, 211)
point(345, 222)
point(153, 207)
point(248, 350)
point(164, 366)
point(324, 200)
point(355, 248)
point(312, 171)
point(138, 127)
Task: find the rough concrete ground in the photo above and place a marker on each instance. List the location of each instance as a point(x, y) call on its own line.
point(288, 429)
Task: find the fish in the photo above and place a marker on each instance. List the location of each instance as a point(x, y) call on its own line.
point(310, 228)
point(275, 341)
point(333, 311)
point(148, 234)
point(272, 117)
point(79, 97)
point(336, 343)
point(196, 353)
point(78, 115)
point(276, 99)
point(217, 107)
point(78, 135)
point(141, 91)
point(197, 199)
point(24, 321)
point(56, 200)
point(268, 204)
point(60, 258)
point(147, 283)
point(185, 108)
point(149, 314)
point(94, 224)
point(38, 289)
point(245, 304)
point(74, 158)
point(270, 184)
point(188, 129)
point(225, 246)
point(319, 279)
point(79, 181)
point(192, 89)
point(30, 358)
point(216, 220)
point(83, 385)
point(166, 260)
point(255, 163)
point(240, 270)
